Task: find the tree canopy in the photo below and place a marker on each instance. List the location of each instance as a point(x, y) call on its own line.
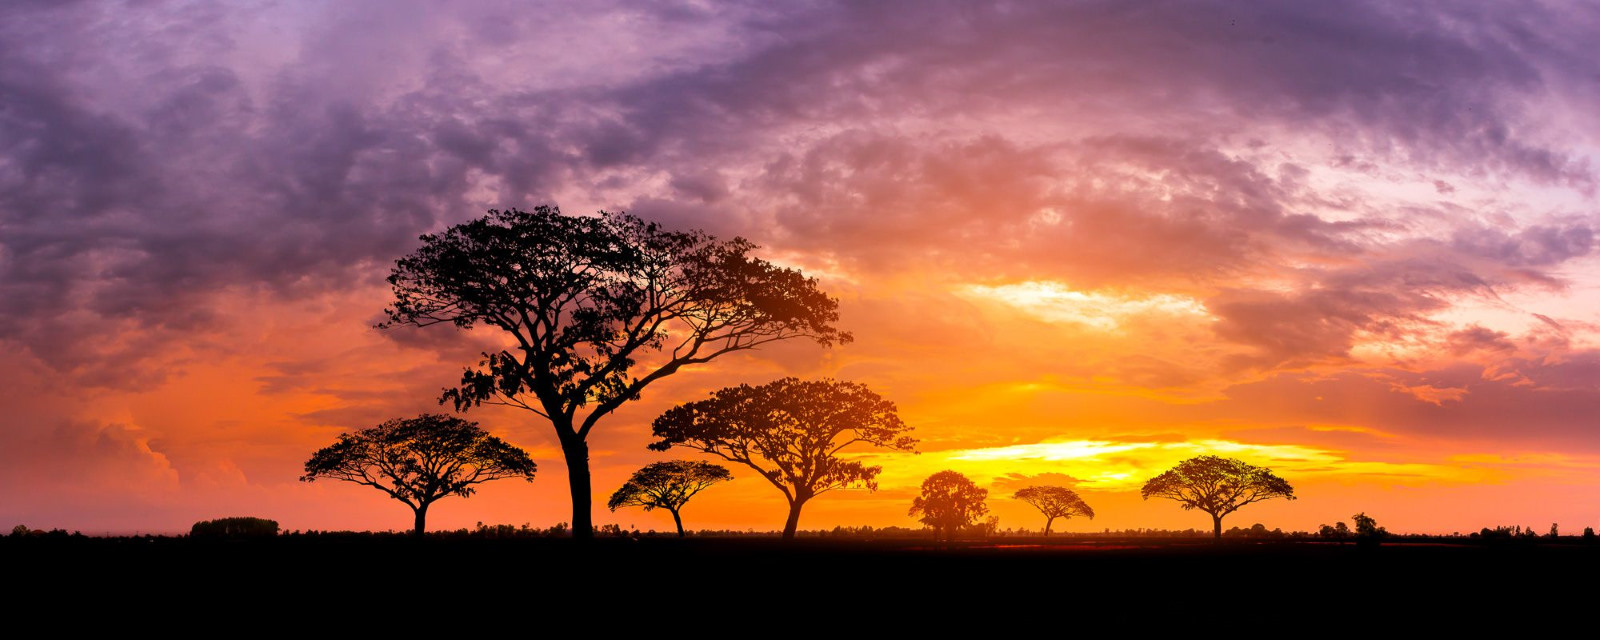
point(235, 527)
point(420, 460)
point(949, 501)
point(1367, 530)
point(791, 431)
point(668, 485)
point(1217, 486)
point(585, 300)
point(1054, 502)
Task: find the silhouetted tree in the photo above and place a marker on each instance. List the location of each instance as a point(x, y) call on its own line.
point(238, 527)
point(949, 501)
point(1054, 502)
point(1217, 486)
point(668, 485)
point(1339, 532)
point(991, 526)
point(1588, 534)
point(1555, 531)
point(791, 432)
point(1367, 530)
point(586, 300)
point(420, 460)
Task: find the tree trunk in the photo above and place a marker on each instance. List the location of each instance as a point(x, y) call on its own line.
point(576, 452)
point(793, 523)
point(422, 520)
point(678, 520)
point(1047, 526)
point(1216, 527)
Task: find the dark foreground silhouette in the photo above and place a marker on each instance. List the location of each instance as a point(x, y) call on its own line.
point(886, 583)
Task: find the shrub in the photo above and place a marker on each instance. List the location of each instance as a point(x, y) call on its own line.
point(239, 527)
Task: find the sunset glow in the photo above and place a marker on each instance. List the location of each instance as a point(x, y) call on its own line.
point(1075, 243)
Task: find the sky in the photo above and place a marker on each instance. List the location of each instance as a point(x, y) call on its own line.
point(1076, 243)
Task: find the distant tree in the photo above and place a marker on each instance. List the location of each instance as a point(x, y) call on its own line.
point(1555, 531)
point(668, 485)
point(1339, 532)
point(20, 531)
point(790, 431)
point(1499, 534)
point(991, 526)
point(1217, 486)
point(1367, 530)
point(1054, 502)
point(1588, 534)
point(420, 460)
point(949, 501)
point(598, 308)
point(238, 527)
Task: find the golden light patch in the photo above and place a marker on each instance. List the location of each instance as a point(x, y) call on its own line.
point(1433, 395)
point(1106, 465)
point(1056, 302)
point(1350, 428)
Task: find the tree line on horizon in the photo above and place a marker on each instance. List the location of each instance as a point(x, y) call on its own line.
point(420, 460)
point(585, 300)
point(235, 528)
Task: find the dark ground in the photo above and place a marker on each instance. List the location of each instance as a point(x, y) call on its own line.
point(1060, 583)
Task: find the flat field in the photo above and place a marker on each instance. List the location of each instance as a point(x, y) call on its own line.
point(1136, 583)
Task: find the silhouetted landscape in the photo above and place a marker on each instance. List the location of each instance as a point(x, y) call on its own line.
point(901, 568)
point(754, 318)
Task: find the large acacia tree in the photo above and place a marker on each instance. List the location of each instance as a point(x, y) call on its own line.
point(668, 485)
point(1217, 486)
point(1054, 502)
point(594, 310)
point(790, 431)
point(420, 460)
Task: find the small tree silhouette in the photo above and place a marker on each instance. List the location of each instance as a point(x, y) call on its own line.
point(1217, 486)
point(1054, 502)
point(1368, 532)
point(949, 501)
point(1339, 532)
point(420, 460)
point(668, 485)
point(791, 432)
point(236, 527)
